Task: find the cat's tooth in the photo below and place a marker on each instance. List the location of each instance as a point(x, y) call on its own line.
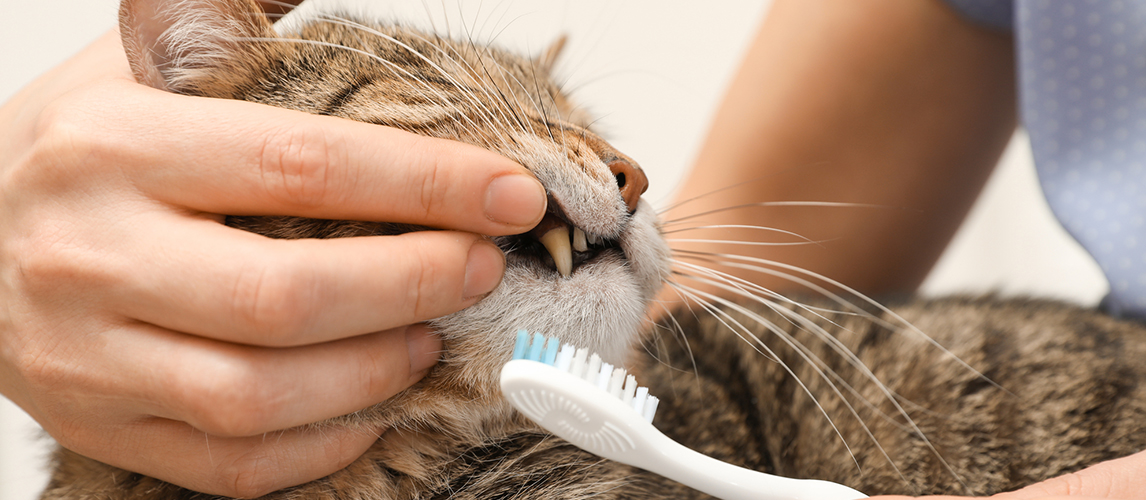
point(580, 244)
point(557, 242)
point(593, 240)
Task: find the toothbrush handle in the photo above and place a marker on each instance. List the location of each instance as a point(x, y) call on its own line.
point(729, 482)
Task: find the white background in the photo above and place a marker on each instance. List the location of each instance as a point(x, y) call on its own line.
point(654, 71)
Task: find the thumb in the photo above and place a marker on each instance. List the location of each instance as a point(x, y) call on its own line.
point(1123, 478)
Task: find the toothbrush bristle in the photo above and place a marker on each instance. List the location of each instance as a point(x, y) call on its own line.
point(522, 344)
point(550, 356)
point(565, 358)
point(604, 376)
point(537, 347)
point(569, 359)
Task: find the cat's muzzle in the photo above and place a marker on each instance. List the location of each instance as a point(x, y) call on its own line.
point(559, 244)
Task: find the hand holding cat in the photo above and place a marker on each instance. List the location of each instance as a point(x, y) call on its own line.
point(1123, 478)
point(140, 331)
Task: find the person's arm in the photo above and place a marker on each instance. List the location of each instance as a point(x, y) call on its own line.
point(898, 104)
point(140, 331)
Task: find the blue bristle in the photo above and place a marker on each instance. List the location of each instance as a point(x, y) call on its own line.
point(550, 357)
point(521, 345)
point(536, 348)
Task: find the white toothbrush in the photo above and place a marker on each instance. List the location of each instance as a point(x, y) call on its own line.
point(597, 408)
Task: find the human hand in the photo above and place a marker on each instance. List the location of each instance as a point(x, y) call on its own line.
point(140, 331)
point(1123, 478)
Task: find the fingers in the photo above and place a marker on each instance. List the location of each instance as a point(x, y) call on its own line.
point(232, 467)
point(239, 158)
point(245, 391)
point(253, 290)
point(1123, 478)
point(131, 373)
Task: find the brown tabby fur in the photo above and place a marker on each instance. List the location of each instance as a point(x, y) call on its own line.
point(1067, 392)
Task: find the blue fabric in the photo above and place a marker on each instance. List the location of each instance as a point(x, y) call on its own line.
point(998, 14)
point(1082, 91)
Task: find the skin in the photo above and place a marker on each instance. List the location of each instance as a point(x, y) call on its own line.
point(140, 331)
point(898, 105)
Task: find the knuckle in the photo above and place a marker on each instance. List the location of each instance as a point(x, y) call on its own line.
point(431, 192)
point(60, 142)
point(42, 369)
point(250, 476)
point(425, 284)
point(71, 135)
point(275, 303)
point(50, 259)
point(297, 165)
point(1066, 485)
point(231, 403)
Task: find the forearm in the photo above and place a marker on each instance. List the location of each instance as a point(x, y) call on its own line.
point(895, 104)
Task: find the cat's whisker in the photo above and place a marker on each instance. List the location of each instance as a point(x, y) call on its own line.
point(712, 258)
point(758, 264)
point(430, 17)
point(487, 46)
point(745, 289)
point(482, 59)
point(449, 77)
point(822, 370)
point(660, 347)
point(748, 243)
point(276, 3)
point(508, 106)
point(541, 103)
point(730, 260)
point(502, 99)
point(678, 330)
point(739, 226)
point(397, 69)
point(774, 204)
point(462, 61)
point(358, 27)
point(761, 292)
point(521, 86)
point(703, 299)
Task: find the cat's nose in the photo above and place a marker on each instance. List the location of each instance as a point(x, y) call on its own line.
point(631, 181)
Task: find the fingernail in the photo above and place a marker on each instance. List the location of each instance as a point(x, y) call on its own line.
point(484, 268)
point(516, 200)
point(423, 346)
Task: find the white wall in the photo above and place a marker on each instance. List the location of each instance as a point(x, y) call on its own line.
point(654, 70)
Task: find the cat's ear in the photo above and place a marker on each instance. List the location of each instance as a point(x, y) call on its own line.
point(172, 43)
point(549, 57)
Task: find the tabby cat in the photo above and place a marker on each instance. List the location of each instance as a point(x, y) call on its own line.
point(1027, 390)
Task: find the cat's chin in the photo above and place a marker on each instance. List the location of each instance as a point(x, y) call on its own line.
point(600, 306)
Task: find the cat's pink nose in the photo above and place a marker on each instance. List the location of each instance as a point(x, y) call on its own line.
point(631, 181)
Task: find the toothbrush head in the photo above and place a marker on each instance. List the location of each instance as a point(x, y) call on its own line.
point(600, 409)
point(587, 367)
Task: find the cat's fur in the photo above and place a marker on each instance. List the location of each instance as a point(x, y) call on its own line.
point(1068, 390)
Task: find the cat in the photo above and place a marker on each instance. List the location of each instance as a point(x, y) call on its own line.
point(997, 395)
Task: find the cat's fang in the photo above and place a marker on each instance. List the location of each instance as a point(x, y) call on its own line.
point(556, 241)
point(580, 244)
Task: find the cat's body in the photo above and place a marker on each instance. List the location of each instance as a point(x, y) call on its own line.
point(1071, 397)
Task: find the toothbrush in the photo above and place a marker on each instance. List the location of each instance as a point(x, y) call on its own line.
point(600, 409)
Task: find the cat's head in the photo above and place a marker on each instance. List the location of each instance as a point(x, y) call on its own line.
point(614, 257)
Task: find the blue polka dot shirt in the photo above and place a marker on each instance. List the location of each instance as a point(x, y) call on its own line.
point(1082, 90)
